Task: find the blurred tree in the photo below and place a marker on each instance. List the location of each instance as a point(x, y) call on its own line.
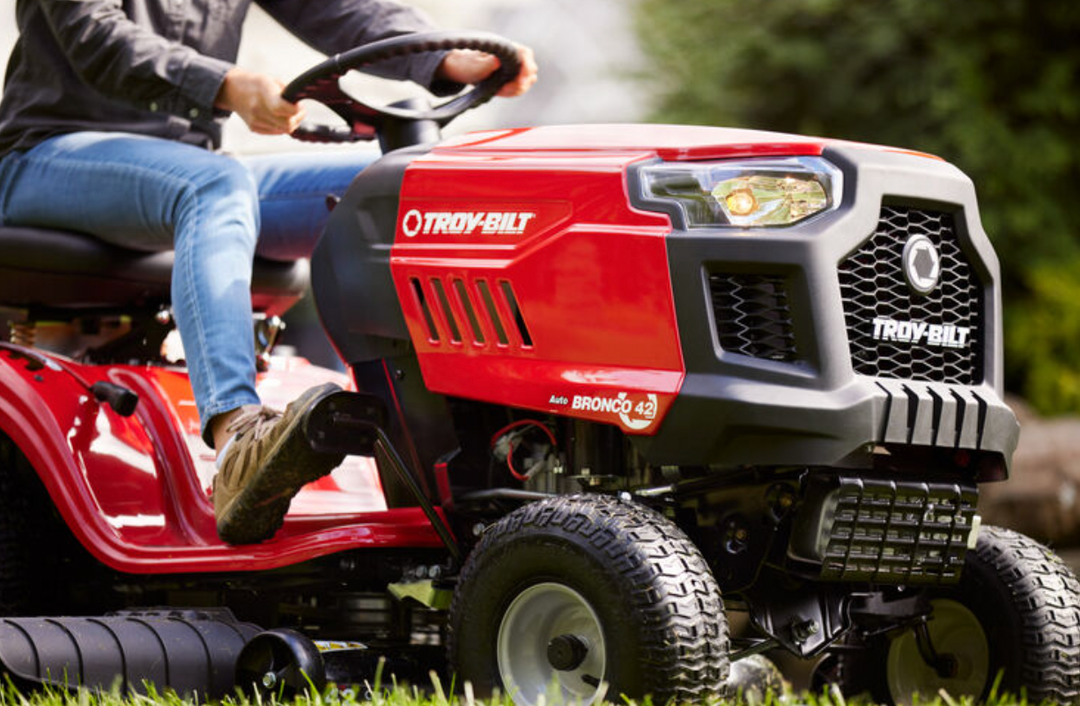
point(992, 86)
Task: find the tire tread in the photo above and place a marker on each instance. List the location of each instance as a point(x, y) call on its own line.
point(1046, 595)
point(676, 601)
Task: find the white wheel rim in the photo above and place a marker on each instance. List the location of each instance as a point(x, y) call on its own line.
point(537, 615)
point(955, 631)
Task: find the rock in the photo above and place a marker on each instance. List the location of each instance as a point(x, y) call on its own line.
point(1042, 496)
point(752, 680)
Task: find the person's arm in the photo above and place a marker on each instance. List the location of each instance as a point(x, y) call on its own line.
point(125, 61)
point(335, 26)
point(256, 97)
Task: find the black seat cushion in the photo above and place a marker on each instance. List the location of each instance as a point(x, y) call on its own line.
point(63, 270)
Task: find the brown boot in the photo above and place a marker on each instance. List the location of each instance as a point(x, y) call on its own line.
point(267, 463)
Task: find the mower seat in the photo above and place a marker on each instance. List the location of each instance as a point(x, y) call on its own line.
point(60, 270)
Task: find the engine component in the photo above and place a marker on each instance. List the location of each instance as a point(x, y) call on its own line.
point(886, 531)
point(536, 453)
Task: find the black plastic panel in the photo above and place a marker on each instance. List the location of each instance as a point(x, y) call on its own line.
point(739, 405)
point(350, 268)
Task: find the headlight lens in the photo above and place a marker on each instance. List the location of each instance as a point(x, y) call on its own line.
point(749, 193)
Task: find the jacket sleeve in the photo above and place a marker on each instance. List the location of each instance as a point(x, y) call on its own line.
point(125, 61)
point(335, 26)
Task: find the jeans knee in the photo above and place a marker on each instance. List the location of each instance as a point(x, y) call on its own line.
point(234, 177)
point(222, 198)
point(234, 184)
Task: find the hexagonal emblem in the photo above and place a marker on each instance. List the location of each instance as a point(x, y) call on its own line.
point(922, 264)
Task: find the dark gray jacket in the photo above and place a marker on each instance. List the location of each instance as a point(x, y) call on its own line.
point(154, 67)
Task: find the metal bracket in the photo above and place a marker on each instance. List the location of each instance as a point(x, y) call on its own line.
point(354, 423)
point(804, 619)
point(267, 331)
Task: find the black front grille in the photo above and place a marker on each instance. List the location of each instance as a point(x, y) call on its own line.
point(873, 286)
point(753, 316)
point(898, 532)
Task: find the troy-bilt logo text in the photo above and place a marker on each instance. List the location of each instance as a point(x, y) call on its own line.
point(922, 333)
point(465, 222)
point(634, 415)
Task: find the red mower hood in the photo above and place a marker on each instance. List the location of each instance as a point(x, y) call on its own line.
point(669, 142)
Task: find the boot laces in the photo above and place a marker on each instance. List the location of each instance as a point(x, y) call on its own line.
point(256, 419)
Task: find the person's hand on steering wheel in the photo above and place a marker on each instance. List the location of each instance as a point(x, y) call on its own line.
point(256, 98)
point(470, 67)
point(485, 63)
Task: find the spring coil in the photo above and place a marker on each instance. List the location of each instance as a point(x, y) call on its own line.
point(23, 333)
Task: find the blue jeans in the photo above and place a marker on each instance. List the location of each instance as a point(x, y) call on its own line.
point(215, 211)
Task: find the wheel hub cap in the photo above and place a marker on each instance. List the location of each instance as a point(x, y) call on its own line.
point(959, 639)
point(550, 638)
point(567, 652)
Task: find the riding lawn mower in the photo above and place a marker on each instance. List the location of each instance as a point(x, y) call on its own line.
point(607, 386)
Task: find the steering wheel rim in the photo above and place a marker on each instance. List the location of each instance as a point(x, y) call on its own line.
point(321, 83)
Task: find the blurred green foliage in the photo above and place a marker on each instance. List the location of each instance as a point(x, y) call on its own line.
point(993, 86)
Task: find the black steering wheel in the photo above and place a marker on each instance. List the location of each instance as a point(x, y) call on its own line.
point(321, 83)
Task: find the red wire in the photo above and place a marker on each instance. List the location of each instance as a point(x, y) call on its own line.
point(510, 464)
point(510, 456)
point(522, 423)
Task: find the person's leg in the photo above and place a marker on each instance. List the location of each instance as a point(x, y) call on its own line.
point(153, 194)
point(148, 193)
point(292, 196)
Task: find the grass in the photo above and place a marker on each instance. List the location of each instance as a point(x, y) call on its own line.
point(434, 694)
point(402, 695)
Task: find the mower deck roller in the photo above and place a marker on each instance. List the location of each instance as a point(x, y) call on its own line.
point(190, 652)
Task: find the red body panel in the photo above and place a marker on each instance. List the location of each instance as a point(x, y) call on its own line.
point(541, 216)
point(135, 491)
point(668, 142)
point(596, 341)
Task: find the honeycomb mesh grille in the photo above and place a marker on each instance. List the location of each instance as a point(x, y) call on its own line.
point(899, 532)
point(753, 316)
point(872, 285)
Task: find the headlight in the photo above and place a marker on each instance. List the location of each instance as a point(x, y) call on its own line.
point(748, 193)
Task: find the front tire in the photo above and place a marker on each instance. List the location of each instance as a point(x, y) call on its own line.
point(588, 590)
point(1016, 611)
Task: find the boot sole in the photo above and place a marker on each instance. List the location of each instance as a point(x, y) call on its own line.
point(258, 511)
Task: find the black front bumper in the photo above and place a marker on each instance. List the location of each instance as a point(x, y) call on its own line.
point(801, 399)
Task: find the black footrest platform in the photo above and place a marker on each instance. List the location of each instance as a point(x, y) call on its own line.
point(345, 422)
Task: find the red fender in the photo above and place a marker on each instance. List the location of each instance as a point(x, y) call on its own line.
point(135, 490)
